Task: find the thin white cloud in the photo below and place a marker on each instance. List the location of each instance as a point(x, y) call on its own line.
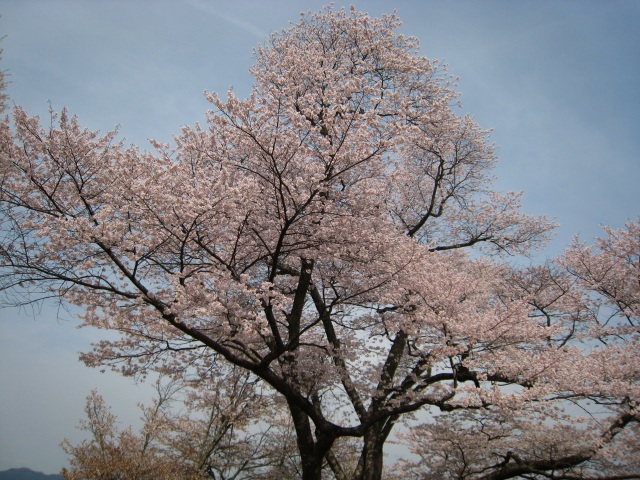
point(215, 10)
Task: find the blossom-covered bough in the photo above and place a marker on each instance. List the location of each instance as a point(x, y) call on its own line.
point(318, 235)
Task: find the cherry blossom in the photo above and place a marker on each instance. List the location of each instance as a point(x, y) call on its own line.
point(336, 236)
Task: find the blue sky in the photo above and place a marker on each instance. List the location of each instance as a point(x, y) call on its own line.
point(557, 81)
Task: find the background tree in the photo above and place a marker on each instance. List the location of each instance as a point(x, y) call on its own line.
point(316, 235)
point(111, 454)
point(3, 87)
point(583, 422)
point(208, 430)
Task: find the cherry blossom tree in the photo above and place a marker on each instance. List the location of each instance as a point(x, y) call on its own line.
point(579, 415)
point(337, 236)
point(4, 98)
point(110, 454)
point(191, 431)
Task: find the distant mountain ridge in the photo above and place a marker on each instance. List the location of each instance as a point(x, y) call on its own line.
point(26, 474)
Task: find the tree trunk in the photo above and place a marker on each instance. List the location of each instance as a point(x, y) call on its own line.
point(312, 451)
point(371, 461)
point(372, 458)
